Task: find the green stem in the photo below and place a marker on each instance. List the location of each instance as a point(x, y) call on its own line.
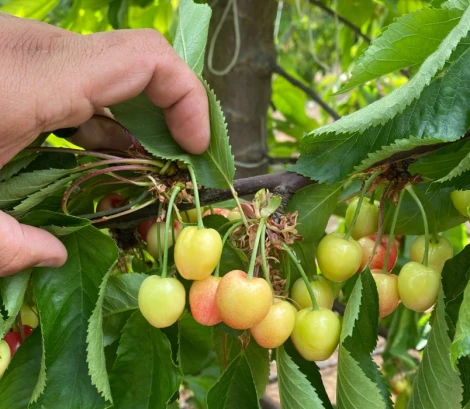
point(264, 263)
point(302, 273)
point(224, 240)
point(174, 193)
point(411, 191)
point(159, 238)
point(392, 230)
point(254, 254)
point(240, 209)
point(200, 224)
point(359, 203)
point(372, 198)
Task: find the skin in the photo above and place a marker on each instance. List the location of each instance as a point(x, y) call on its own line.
point(152, 237)
point(338, 258)
point(52, 78)
point(367, 221)
point(321, 289)
point(461, 201)
point(197, 252)
point(202, 301)
point(418, 286)
point(387, 289)
point(241, 301)
point(277, 326)
point(161, 300)
point(438, 253)
point(377, 262)
point(5, 356)
point(316, 333)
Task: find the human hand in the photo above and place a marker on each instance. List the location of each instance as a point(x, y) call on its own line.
point(52, 78)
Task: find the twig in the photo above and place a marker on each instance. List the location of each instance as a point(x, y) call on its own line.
point(345, 21)
point(310, 92)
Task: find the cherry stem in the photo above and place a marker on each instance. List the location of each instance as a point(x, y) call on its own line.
point(174, 193)
point(415, 197)
point(115, 210)
point(359, 203)
point(134, 209)
point(264, 262)
point(302, 273)
point(159, 236)
point(239, 206)
point(224, 240)
point(254, 254)
point(390, 235)
point(200, 223)
point(372, 198)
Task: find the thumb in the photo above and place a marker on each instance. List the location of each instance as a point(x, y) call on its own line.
point(23, 246)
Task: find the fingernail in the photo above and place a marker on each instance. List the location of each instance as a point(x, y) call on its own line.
point(65, 133)
point(53, 262)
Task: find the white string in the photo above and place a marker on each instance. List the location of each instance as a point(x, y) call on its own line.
point(236, 28)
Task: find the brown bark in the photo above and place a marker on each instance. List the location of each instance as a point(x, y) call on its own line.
point(245, 92)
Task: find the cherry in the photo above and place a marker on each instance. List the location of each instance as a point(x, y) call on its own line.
point(161, 300)
point(153, 237)
point(202, 301)
point(234, 215)
point(438, 252)
point(13, 339)
point(418, 286)
point(377, 262)
point(337, 257)
point(321, 289)
point(367, 220)
point(190, 216)
point(217, 210)
point(387, 290)
point(197, 252)
point(111, 201)
point(461, 201)
point(316, 333)
point(243, 302)
point(5, 356)
point(277, 326)
point(144, 227)
point(29, 316)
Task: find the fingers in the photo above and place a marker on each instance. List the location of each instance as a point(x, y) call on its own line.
point(23, 246)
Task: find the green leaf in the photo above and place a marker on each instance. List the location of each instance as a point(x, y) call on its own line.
point(58, 224)
point(66, 298)
point(144, 375)
point(315, 204)
point(18, 382)
point(95, 339)
point(460, 4)
point(12, 290)
point(191, 34)
point(258, 360)
point(458, 178)
point(35, 9)
point(359, 381)
point(195, 347)
point(461, 343)
point(295, 390)
point(18, 187)
point(15, 166)
point(406, 42)
point(411, 110)
point(235, 389)
point(437, 385)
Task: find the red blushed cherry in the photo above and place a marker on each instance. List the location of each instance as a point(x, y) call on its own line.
point(144, 227)
point(202, 301)
point(387, 290)
point(217, 210)
point(13, 339)
point(377, 262)
point(111, 201)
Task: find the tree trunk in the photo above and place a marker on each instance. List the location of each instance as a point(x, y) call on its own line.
point(245, 91)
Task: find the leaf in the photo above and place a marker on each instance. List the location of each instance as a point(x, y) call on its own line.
point(406, 42)
point(25, 184)
point(18, 382)
point(411, 110)
point(458, 178)
point(191, 34)
point(315, 204)
point(12, 290)
point(437, 385)
point(258, 360)
point(359, 380)
point(195, 350)
point(66, 297)
point(144, 375)
point(460, 4)
point(34, 9)
point(15, 166)
point(295, 390)
point(235, 389)
point(58, 224)
point(461, 343)
point(95, 339)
